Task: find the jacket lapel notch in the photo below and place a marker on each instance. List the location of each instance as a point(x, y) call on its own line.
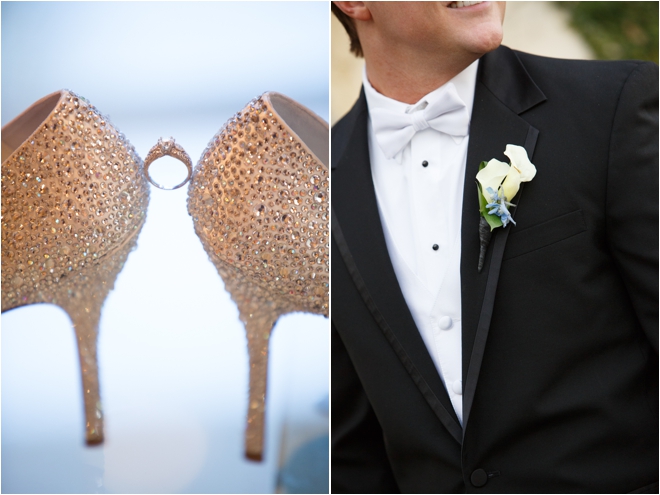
point(502, 72)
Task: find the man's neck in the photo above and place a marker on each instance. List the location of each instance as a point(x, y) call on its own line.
point(410, 80)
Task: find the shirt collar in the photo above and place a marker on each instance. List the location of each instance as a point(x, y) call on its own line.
point(465, 83)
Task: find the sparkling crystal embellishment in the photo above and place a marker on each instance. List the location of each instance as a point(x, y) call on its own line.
point(73, 202)
point(259, 202)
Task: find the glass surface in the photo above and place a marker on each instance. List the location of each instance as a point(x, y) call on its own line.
point(172, 352)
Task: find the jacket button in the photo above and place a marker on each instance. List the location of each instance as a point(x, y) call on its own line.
point(479, 477)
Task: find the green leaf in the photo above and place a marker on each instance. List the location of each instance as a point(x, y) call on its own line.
point(493, 220)
point(482, 165)
point(482, 201)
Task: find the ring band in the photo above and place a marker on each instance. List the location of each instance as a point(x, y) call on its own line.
point(171, 148)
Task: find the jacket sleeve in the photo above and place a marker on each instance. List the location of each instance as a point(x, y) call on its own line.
point(632, 193)
point(359, 461)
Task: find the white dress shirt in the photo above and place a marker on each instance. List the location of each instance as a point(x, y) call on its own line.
point(420, 194)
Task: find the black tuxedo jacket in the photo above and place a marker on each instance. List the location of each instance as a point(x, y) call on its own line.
point(559, 330)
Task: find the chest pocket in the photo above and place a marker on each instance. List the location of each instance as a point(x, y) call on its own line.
point(544, 234)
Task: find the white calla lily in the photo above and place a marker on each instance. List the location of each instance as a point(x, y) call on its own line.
point(497, 173)
point(491, 176)
point(511, 183)
point(520, 160)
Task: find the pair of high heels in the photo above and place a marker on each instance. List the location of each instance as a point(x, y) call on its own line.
point(74, 199)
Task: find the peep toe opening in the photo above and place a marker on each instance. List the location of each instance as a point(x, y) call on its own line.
point(16, 132)
point(308, 126)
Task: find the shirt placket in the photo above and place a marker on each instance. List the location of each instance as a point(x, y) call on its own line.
point(429, 218)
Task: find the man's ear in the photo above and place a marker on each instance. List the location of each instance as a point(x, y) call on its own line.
point(355, 10)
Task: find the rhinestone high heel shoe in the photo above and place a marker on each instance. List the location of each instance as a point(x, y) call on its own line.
point(259, 202)
point(73, 202)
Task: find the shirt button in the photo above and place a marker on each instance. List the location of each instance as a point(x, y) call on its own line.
point(445, 323)
point(435, 247)
point(457, 387)
point(425, 163)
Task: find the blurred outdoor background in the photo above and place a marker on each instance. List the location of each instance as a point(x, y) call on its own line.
point(575, 30)
point(172, 352)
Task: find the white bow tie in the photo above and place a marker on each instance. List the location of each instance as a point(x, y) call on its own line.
point(446, 114)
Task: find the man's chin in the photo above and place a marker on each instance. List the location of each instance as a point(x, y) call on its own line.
point(486, 41)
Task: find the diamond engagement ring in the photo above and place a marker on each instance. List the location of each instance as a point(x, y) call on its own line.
point(171, 148)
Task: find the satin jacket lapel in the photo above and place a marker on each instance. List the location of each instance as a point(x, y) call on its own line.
point(504, 90)
point(358, 232)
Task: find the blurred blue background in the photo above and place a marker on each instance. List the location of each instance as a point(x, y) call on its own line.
point(172, 352)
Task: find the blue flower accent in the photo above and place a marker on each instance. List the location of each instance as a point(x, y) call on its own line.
point(498, 206)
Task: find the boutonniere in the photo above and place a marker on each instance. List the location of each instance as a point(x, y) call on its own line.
point(498, 183)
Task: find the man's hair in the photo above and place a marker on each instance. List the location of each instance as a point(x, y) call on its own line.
point(347, 22)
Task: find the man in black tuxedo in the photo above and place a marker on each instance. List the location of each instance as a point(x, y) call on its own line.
point(559, 330)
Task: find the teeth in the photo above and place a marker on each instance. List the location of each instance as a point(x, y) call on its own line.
point(458, 5)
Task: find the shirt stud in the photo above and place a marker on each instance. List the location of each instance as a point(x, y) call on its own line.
point(425, 163)
point(435, 247)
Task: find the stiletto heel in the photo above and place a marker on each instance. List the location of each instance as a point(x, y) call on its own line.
point(84, 309)
point(85, 319)
point(259, 202)
point(73, 202)
point(258, 327)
